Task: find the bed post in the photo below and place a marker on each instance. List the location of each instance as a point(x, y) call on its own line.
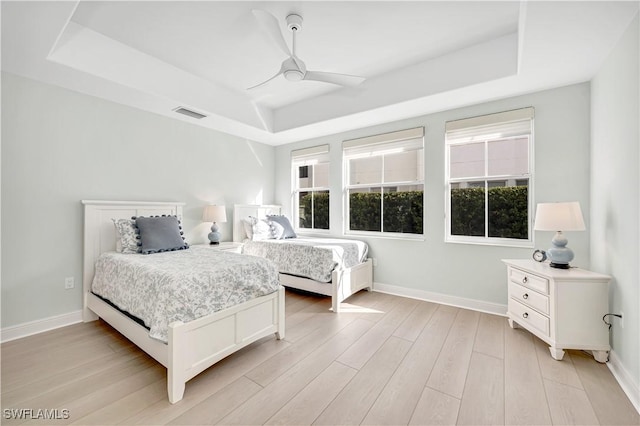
point(175, 378)
point(281, 314)
point(336, 290)
point(91, 252)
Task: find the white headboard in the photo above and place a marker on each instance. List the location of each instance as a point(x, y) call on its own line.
point(100, 233)
point(243, 211)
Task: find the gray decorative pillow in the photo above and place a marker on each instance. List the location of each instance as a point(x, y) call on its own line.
point(159, 233)
point(126, 241)
point(282, 220)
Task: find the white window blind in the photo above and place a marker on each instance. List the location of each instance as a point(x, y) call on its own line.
point(493, 126)
point(309, 156)
point(384, 143)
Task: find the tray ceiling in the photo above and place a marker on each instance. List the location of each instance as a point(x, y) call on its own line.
point(417, 57)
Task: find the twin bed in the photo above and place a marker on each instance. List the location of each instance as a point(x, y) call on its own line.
point(186, 344)
point(189, 309)
point(327, 266)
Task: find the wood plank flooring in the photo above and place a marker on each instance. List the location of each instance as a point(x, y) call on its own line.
point(385, 360)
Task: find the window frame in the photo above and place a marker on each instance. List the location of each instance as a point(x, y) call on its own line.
point(299, 158)
point(380, 141)
point(523, 114)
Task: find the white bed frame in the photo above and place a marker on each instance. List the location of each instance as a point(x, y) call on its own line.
point(343, 283)
point(193, 346)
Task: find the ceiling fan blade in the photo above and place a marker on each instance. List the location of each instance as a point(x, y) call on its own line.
point(330, 77)
point(270, 25)
point(266, 81)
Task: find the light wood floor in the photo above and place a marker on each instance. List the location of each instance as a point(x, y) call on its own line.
point(387, 360)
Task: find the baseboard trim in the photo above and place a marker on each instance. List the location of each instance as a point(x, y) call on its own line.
point(443, 299)
point(38, 326)
point(625, 380)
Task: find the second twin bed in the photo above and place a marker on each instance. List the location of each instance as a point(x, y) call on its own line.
point(328, 266)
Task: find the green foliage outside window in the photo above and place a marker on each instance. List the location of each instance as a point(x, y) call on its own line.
point(508, 212)
point(365, 211)
point(320, 208)
point(403, 211)
point(467, 212)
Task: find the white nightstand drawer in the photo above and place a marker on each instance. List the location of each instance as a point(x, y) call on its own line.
point(529, 280)
point(524, 314)
point(528, 297)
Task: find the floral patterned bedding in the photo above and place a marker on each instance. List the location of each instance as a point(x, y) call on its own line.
point(181, 285)
point(313, 258)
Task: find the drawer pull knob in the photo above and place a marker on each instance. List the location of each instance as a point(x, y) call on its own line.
point(525, 280)
point(525, 296)
point(525, 315)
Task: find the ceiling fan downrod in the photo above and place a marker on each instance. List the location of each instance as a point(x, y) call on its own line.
point(294, 23)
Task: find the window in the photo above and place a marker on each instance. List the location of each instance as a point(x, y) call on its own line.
point(310, 172)
point(384, 183)
point(489, 178)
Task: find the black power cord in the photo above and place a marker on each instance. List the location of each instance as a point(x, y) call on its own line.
point(610, 315)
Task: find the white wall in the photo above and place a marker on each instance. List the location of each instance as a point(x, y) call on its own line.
point(59, 147)
point(462, 270)
point(615, 206)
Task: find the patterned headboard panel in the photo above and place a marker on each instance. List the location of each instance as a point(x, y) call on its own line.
point(243, 211)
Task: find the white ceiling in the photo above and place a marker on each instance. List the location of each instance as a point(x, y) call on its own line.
point(418, 57)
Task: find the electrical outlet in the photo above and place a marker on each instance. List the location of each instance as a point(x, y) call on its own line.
point(375, 261)
point(69, 283)
point(621, 319)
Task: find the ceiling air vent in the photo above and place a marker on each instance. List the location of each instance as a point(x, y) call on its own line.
point(188, 112)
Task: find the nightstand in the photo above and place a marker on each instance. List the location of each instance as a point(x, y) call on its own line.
point(562, 307)
point(225, 246)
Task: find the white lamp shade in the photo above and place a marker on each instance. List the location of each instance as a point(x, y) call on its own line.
point(214, 214)
point(559, 217)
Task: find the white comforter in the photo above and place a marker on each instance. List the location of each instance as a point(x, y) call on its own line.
point(182, 285)
point(313, 258)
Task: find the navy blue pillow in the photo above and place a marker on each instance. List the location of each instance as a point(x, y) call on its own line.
point(284, 222)
point(158, 234)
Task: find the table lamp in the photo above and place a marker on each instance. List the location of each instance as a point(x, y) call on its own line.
point(214, 214)
point(559, 217)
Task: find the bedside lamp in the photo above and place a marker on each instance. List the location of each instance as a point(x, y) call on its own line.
point(214, 214)
point(559, 217)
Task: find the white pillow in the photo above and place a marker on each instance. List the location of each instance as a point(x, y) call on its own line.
point(248, 227)
point(284, 222)
point(126, 241)
point(260, 230)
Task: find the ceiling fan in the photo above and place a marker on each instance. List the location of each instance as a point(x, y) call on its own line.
point(293, 68)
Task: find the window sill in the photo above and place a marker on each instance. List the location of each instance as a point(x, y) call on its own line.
point(492, 242)
point(385, 236)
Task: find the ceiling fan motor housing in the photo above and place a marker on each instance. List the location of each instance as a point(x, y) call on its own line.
point(294, 22)
point(293, 75)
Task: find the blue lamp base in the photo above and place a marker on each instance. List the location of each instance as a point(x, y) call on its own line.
point(214, 235)
point(560, 255)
